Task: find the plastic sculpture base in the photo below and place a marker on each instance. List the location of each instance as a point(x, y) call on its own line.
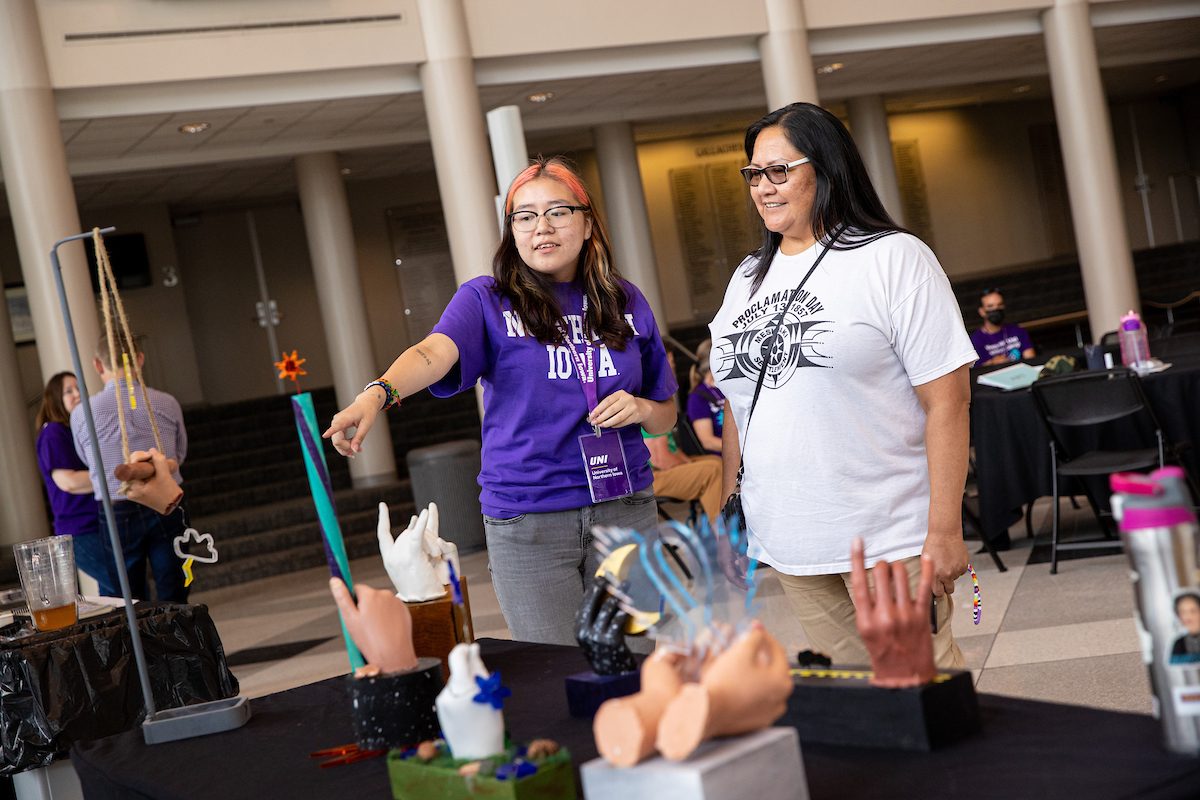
point(201, 719)
point(587, 691)
point(396, 709)
point(840, 706)
point(413, 779)
point(765, 764)
point(437, 626)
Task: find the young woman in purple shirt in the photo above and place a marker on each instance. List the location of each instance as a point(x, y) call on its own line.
point(573, 367)
point(75, 510)
point(705, 403)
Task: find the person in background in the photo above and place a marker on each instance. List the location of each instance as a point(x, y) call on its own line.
point(706, 404)
point(145, 534)
point(76, 512)
point(995, 342)
point(681, 477)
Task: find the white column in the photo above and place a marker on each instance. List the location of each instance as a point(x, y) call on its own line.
point(786, 60)
point(1090, 161)
point(40, 194)
point(22, 511)
point(628, 220)
point(510, 153)
point(459, 138)
point(868, 120)
point(339, 293)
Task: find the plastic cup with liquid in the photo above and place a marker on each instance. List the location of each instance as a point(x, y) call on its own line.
point(47, 570)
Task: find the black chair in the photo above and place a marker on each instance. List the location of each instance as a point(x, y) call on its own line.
point(970, 515)
point(686, 438)
point(1085, 399)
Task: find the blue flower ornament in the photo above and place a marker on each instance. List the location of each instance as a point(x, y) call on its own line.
point(490, 691)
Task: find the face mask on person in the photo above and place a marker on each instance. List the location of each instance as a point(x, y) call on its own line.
point(995, 316)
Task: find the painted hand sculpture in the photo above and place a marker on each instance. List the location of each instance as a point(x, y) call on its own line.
point(894, 626)
point(159, 492)
point(379, 624)
point(417, 560)
point(469, 708)
point(600, 631)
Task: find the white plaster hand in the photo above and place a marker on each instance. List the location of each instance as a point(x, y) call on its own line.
point(473, 729)
point(408, 565)
point(439, 549)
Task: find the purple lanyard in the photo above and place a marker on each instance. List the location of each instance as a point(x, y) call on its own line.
point(585, 365)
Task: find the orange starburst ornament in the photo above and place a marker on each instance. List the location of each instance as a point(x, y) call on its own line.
point(289, 368)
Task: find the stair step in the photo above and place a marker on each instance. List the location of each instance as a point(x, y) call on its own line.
point(232, 462)
point(305, 533)
point(280, 562)
point(229, 524)
point(253, 496)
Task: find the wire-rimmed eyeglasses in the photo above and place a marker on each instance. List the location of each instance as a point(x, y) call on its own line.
point(558, 217)
point(776, 173)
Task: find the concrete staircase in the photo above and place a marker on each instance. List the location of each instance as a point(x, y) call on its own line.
point(246, 483)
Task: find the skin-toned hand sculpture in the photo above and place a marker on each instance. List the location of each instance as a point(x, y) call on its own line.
point(600, 631)
point(379, 624)
point(413, 559)
point(626, 728)
point(159, 492)
point(742, 690)
point(894, 626)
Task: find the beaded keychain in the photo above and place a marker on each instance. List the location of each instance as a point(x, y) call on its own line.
point(976, 601)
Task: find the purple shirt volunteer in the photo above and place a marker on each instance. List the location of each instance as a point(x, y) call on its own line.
point(73, 513)
point(534, 406)
point(1010, 337)
point(707, 402)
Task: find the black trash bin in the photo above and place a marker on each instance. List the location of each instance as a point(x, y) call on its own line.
point(448, 474)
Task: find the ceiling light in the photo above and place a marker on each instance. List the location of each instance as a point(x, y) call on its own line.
point(194, 127)
point(1160, 78)
point(1021, 89)
point(346, 170)
point(540, 97)
point(829, 68)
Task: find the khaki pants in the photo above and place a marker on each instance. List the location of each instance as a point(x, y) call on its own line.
point(825, 606)
point(698, 480)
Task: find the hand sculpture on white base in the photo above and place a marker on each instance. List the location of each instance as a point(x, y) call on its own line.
point(416, 560)
point(469, 708)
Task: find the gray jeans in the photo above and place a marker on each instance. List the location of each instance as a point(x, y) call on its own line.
point(542, 563)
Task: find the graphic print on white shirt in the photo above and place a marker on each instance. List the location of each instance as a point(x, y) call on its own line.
point(803, 340)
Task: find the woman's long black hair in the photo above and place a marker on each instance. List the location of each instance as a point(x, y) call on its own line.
point(845, 196)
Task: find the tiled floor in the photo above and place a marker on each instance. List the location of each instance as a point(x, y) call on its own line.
point(1066, 638)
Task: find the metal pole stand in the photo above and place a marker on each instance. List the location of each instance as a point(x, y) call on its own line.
point(176, 723)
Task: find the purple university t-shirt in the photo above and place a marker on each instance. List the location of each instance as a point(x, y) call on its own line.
point(707, 402)
point(534, 406)
point(73, 513)
point(1011, 339)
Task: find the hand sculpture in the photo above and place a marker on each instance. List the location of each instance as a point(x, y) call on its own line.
point(742, 690)
point(600, 631)
point(625, 728)
point(379, 624)
point(894, 627)
point(469, 708)
point(443, 553)
point(407, 560)
point(159, 492)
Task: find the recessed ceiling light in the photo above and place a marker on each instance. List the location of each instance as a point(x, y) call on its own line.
point(828, 68)
point(1021, 89)
point(194, 127)
point(346, 170)
point(540, 97)
point(1160, 78)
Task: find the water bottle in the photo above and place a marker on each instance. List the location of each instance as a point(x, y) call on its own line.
point(1158, 530)
point(1135, 344)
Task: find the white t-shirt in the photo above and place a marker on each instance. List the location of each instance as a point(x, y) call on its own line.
point(836, 448)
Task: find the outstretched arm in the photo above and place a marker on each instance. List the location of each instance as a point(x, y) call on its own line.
point(416, 368)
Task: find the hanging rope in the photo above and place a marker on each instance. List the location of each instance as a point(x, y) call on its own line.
point(108, 286)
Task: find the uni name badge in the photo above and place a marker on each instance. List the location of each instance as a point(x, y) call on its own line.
point(604, 462)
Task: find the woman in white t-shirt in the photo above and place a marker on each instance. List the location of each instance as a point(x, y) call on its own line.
point(862, 424)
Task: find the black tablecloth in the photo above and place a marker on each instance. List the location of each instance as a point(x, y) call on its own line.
point(1027, 750)
point(1012, 450)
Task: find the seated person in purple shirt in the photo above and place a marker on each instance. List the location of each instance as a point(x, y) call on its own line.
point(996, 342)
point(706, 404)
point(67, 483)
point(145, 534)
point(565, 349)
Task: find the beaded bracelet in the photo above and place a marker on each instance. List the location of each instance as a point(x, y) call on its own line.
point(391, 398)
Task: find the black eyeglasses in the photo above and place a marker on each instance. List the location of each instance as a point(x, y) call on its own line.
point(558, 217)
point(986, 292)
point(776, 173)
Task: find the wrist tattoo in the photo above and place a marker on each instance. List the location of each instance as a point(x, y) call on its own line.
point(421, 353)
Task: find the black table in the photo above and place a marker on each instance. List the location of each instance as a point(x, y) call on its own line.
point(1012, 450)
point(1027, 749)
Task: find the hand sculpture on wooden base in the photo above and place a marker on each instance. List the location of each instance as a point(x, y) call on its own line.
point(418, 560)
point(894, 627)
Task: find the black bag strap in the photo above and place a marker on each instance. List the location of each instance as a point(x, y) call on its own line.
point(769, 346)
